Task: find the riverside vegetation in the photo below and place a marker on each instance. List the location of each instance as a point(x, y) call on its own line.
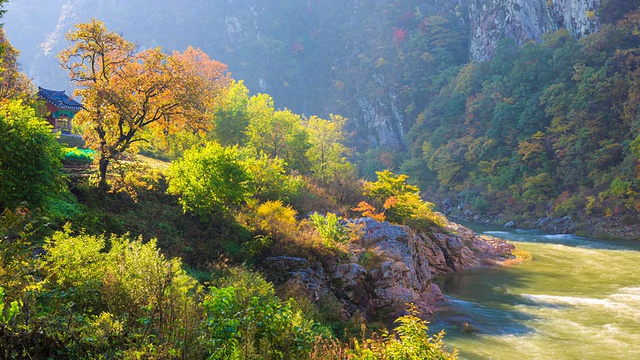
point(152, 259)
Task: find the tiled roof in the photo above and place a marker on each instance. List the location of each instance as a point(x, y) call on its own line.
point(59, 99)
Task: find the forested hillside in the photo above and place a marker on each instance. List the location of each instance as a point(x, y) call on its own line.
point(376, 63)
point(518, 107)
point(547, 129)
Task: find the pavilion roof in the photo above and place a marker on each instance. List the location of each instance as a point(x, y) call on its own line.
point(59, 99)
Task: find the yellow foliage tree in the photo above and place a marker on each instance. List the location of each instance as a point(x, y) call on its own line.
point(125, 91)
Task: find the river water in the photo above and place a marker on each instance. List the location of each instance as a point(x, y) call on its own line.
point(577, 299)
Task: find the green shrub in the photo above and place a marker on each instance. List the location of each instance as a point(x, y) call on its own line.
point(411, 341)
point(10, 312)
point(246, 320)
point(480, 204)
point(116, 294)
point(400, 202)
point(209, 179)
point(269, 179)
point(30, 167)
point(330, 229)
point(276, 220)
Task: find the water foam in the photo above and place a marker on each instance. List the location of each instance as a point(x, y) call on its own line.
point(569, 300)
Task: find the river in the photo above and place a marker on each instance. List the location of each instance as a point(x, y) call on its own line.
point(577, 298)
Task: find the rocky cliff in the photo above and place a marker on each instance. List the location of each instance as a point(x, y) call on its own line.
point(526, 20)
point(389, 266)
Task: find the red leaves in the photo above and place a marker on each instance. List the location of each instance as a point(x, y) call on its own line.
point(399, 35)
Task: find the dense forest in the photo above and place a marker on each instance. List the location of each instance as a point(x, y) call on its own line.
point(143, 238)
point(547, 129)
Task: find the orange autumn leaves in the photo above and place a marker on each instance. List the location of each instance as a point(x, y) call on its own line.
point(128, 94)
point(397, 201)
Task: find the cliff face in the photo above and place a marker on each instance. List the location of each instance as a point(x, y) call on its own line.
point(526, 20)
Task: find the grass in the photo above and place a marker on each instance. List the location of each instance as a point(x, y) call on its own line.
point(153, 163)
point(71, 141)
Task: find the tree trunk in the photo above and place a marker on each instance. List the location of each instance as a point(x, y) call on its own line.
point(102, 168)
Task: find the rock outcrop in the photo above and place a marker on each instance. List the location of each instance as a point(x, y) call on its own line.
point(526, 20)
point(390, 266)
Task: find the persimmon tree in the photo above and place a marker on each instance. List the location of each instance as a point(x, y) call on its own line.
point(129, 94)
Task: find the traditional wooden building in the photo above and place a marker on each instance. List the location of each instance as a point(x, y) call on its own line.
point(60, 108)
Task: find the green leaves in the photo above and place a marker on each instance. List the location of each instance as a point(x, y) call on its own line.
point(30, 167)
point(209, 179)
point(409, 341)
point(401, 203)
point(117, 289)
point(277, 133)
point(330, 229)
point(244, 319)
point(11, 312)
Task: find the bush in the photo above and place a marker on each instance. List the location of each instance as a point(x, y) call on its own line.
point(30, 167)
point(269, 180)
point(276, 220)
point(209, 179)
point(330, 229)
point(400, 202)
point(10, 312)
point(246, 320)
point(409, 340)
point(114, 294)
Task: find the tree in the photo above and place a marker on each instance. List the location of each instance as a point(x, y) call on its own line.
point(13, 83)
point(327, 153)
point(400, 202)
point(125, 92)
point(209, 179)
point(277, 133)
point(231, 117)
point(269, 179)
point(29, 157)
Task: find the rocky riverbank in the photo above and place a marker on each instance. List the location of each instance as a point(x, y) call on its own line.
point(389, 266)
point(617, 227)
